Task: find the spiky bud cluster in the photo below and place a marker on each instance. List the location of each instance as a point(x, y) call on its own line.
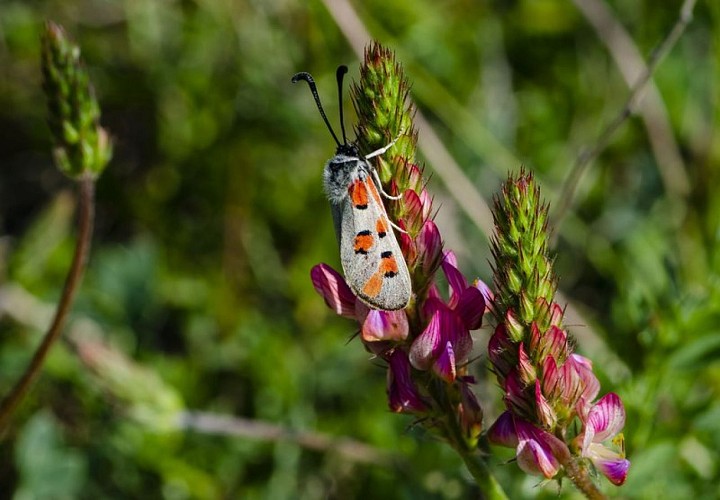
point(82, 146)
point(547, 388)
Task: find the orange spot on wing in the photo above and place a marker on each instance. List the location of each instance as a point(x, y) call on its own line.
point(388, 266)
point(381, 228)
point(363, 242)
point(358, 194)
point(373, 286)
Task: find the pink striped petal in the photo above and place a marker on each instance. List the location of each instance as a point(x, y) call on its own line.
point(605, 420)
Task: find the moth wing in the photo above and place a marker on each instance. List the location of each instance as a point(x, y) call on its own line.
point(371, 258)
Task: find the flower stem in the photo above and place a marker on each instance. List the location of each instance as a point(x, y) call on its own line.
point(490, 489)
point(72, 282)
point(581, 479)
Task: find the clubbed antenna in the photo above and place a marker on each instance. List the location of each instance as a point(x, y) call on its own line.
point(313, 88)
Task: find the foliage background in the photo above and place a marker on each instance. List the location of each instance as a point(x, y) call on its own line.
point(198, 297)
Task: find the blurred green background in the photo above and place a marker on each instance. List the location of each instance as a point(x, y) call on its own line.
point(211, 214)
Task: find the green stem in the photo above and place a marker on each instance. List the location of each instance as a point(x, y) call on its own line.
point(72, 282)
point(490, 489)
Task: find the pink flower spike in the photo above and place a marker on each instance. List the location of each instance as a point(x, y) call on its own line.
point(471, 308)
point(502, 432)
point(334, 290)
point(385, 325)
point(403, 396)
point(444, 366)
point(539, 452)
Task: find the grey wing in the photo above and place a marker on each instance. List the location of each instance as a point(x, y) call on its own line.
point(373, 264)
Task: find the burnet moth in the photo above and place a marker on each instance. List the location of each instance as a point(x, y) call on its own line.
point(373, 264)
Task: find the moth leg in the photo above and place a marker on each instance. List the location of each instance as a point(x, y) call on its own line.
point(380, 188)
point(382, 150)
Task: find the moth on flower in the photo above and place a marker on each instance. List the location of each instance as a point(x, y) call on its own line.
point(373, 264)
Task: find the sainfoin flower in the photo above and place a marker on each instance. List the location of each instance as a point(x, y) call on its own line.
point(446, 342)
point(427, 345)
point(548, 388)
point(604, 423)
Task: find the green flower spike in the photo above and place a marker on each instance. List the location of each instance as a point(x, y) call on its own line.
point(82, 146)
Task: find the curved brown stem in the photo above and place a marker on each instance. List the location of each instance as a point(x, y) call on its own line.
point(72, 282)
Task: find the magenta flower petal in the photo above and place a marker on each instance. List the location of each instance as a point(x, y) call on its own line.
point(444, 366)
point(614, 466)
point(450, 258)
point(539, 452)
point(456, 280)
point(427, 343)
point(471, 308)
point(487, 294)
point(403, 395)
point(334, 290)
point(429, 246)
point(444, 326)
point(385, 325)
point(502, 432)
